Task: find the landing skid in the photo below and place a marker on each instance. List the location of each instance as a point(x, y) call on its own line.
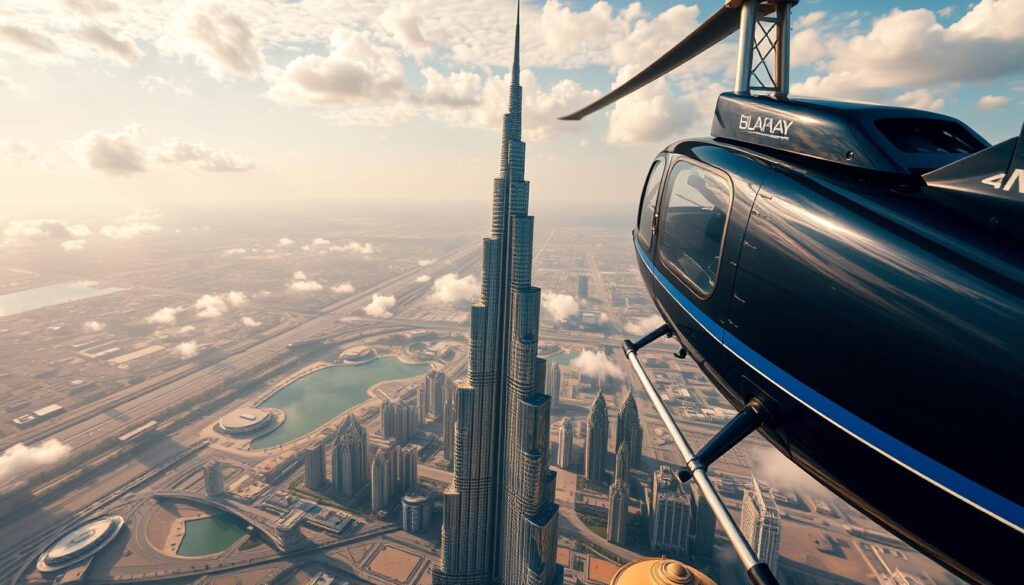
point(744, 423)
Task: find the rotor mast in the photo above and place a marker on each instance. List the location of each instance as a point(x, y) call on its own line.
point(762, 53)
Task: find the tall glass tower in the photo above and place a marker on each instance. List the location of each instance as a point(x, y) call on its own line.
point(500, 517)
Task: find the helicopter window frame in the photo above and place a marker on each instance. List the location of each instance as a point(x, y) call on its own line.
point(648, 242)
point(666, 201)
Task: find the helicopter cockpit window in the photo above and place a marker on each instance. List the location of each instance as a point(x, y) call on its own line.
point(649, 204)
point(692, 225)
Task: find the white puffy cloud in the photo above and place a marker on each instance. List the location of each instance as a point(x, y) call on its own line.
point(177, 151)
point(128, 231)
point(218, 38)
point(659, 111)
point(19, 459)
point(26, 39)
point(17, 152)
point(187, 349)
point(285, 242)
point(214, 306)
point(596, 365)
point(114, 153)
point(426, 262)
point(250, 322)
point(645, 325)
point(380, 306)
point(161, 85)
point(344, 288)
point(91, 7)
point(921, 99)
point(298, 275)
point(234, 251)
point(93, 326)
point(358, 69)
point(364, 249)
point(21, 232)
point(423, 278)
point(186, 330)
point(558, 306)
point(73, 245)
point(404, 23)
point(992, 102)
point(450, 289)
point(320, 242)
point(305, 286)
point(123, 50)
point(164, 316)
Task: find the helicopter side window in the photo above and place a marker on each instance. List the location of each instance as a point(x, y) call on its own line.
point(692, 225)
point(649, 204)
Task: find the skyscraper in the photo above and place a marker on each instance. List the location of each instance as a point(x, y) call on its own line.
point(702, 547)
point(628, 429)
point(623, 464)
point(384, 477)
point(350, 458)
point(213, 478)
point(500, 518)
point(449, 423)
point(315, 470)
point(435, 383)
point(565, 445)
point(582, 287)
point(618, 515)
point(671, 514)
point(759, 523)
point(553, 382)
point(399, 421)
point(597, 440)
point(409, 465)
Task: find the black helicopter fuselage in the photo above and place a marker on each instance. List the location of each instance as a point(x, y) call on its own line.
point(883, 331)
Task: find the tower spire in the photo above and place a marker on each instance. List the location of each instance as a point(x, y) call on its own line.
point(515, 54)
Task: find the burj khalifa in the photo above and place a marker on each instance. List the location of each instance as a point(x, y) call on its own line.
point(500, 519)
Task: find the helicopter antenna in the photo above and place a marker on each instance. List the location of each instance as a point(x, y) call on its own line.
point(762, 63)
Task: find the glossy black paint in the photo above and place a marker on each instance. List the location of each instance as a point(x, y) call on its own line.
point(897, 310)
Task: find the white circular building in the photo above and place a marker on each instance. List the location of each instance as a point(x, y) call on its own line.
point(80, 543)
point(244, 421)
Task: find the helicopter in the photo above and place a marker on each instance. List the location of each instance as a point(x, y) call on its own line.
point(850, 277)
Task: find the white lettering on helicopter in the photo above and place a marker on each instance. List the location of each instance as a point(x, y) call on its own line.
point(996, 181)
point(776, 128)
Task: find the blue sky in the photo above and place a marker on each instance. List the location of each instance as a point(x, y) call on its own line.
point(118, 104)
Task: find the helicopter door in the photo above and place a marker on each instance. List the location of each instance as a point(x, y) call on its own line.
point(649, 205)
point(691, 227)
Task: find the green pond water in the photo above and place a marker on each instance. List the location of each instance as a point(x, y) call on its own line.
point(210, 535)
point(314, 399)
point(53, 294)
point(564, 358)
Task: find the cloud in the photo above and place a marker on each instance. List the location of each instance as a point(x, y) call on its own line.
point(992, 102)
point(343, 288)
point(30, 40)
point(305, 286)
point(250, 322)
point(187, 349)
point(645, 325)
point(450, 289)
point(320, 242)
point(921, 99)
point(177, 151)
point(186, 330)
point(596, 365)
point(299, 275)
point(164, 316)
point(19, 459)
point(365, 249)
point(91, 7)
point(558, 306)
point(18, 152)
point(423, 278)
point(214, 306)
point(405, 25)
point(217, 38)
point(285, 242)
point(93, 326)
point(114, 153)
point(128, 231)
point(380, 306)
point(234, 251)
point(123, 50)
point(357, 70)
point(426, 262)
point(774, 469)
point(21, 232)
point(161, 85)
point(73, 245)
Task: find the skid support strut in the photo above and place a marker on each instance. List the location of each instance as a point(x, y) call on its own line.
point(742, 425)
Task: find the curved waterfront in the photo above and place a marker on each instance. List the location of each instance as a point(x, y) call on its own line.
point(210, 535)
point(316, 398)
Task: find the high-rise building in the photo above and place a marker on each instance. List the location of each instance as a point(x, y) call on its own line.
point(449, 423)
point(759, 523)
point(315, 468)
point(399, 421)
point(415, 512)
point(553, 382)
point(435, 383)
point(582, 287)
point(383, 477)
point(597, 440)
point(213, 478)
point(565, 444)
point(350, 458)
point(702, 546)
point(500, 517)
point(671, 514)
point(628, 429)
point(618, 512)
point(408, 468)
point(623, 464)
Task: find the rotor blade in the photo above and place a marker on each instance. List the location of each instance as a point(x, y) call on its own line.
point(721, 24)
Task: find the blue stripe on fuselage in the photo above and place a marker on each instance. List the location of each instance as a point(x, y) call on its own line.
point(977, 495)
